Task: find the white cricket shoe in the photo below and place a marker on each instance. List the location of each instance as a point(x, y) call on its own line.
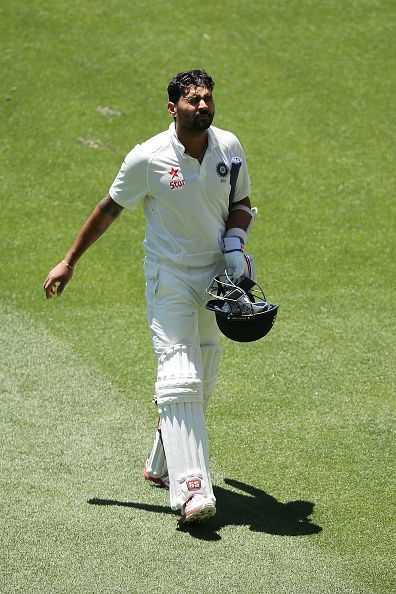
point(161, 481)
point(197, 508)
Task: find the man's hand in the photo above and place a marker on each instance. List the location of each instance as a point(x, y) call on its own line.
point(234, 258)
point(100, 219)
point(57, 279)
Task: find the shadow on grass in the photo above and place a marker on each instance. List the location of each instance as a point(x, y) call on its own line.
point(253, 507)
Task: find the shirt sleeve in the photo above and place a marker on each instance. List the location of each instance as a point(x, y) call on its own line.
point(130, 185)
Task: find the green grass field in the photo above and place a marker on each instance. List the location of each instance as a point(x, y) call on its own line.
point(302, 423)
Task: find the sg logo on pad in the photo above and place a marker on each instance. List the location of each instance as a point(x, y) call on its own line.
point(194, 484)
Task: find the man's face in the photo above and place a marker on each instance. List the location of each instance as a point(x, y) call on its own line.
point(195, 110)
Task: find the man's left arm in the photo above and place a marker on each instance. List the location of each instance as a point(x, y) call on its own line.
point(238, 225)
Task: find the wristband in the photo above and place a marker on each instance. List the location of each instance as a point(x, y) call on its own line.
point(237, 232)
point(67, 265)
point(241, 207)
point(232, 244)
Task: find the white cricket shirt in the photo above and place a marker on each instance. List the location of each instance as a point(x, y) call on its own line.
point(185, 203)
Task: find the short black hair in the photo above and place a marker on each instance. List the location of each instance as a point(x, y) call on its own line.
point(183, 80)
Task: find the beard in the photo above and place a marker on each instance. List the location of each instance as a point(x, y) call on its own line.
point(195, 123)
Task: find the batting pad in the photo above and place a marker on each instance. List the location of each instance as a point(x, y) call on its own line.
point(182, 423)
point(186, 448)
point(156, 463)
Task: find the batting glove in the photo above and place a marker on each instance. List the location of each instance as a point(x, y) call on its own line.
point(234, 258)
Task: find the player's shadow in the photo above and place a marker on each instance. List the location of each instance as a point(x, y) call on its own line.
point(250, 507)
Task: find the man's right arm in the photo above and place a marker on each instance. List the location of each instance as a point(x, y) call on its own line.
point(100, 219)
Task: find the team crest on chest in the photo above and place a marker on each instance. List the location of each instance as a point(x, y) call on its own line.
point(174, 178)
point(222, 171)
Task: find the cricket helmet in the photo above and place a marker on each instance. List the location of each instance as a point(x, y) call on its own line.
point(242, 312)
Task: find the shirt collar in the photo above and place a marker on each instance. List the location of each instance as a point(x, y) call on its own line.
point(180, 147)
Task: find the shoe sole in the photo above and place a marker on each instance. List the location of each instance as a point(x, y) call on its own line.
point(199, 513)
point(156, 481)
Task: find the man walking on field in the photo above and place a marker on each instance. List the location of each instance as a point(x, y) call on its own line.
point(182, 178)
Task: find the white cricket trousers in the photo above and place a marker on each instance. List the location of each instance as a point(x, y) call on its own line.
point(176, 297)
point(186, 342)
